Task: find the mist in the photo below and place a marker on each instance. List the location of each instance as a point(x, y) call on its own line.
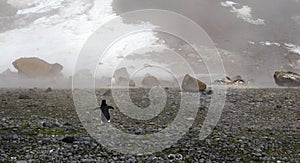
point(254, 38)
point(232, 32)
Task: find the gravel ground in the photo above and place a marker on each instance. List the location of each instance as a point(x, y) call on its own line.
point(256, 125)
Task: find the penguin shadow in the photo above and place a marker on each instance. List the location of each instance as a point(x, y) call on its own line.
point(105, 115)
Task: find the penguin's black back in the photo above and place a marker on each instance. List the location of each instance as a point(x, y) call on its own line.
point(105, 109)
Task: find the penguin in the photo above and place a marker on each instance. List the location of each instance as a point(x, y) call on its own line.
point(105, 111)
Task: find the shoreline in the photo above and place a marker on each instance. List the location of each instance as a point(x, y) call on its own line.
point(255, 125)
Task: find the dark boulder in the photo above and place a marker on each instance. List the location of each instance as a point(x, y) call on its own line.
point(49, 89)
point(68, 139)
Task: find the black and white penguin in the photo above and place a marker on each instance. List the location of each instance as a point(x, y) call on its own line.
point(105, 111)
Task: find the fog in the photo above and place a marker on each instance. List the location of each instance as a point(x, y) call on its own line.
point(232, 33)
point(254, 38)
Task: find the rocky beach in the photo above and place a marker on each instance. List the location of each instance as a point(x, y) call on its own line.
point(41, 125)
point(55, 52)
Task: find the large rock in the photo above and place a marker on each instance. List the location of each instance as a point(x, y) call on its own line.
point(150, 81)
point(122, 78)
point(122, 72)
point(287, 79)
point(191, 84)
point(68, 139)
point(9, 74)
point(34, 67)
point(125, 82)
point(131, 83)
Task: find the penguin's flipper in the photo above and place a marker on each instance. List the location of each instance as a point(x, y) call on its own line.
point(110, 107)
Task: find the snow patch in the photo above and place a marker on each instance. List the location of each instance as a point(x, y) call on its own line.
point(59, 37)
point(243, 12)
point(265, 43)
point(269, 43)
point(292, 48)
point(251, 42)
point(41, 6)
point(289, 46)
point(21, 4)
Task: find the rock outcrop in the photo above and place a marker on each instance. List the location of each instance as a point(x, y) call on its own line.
point(122, 72)
point(122, 78)
point(9, 74)
point(287, 79)
point(125, 82)
point(190, 84)
point(150, 81)
point(34, 67)
point(131, 83)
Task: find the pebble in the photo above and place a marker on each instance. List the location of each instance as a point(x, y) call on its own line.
point(244, 133)
point(24, 97)
point(49, 89)
point(68, 139)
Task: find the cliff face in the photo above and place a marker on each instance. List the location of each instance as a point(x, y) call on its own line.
point(34, 68)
